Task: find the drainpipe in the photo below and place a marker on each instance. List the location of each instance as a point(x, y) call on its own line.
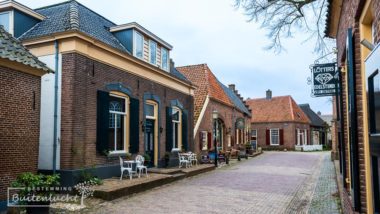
point(55, 108)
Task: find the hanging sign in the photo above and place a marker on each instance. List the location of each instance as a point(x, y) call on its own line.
point(324, 79)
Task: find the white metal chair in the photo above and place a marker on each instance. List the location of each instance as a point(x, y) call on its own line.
point(122, 168)
point(193, 158)
point(140, 165)
point(183, 160)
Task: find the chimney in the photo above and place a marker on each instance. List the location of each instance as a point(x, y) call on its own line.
point(269, 94)
point(232, 87)
point(319, 113)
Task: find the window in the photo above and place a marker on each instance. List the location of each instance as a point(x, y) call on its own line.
point(204, 139)
point(139, 45)
point(274, 137)
point(149, 111)
point(152, 52)
point(117, 123)
point(254, 136)
point(164, 59)
point(176, 122)
point(5, 20)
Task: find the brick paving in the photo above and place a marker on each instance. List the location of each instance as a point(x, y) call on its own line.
point(274, 182)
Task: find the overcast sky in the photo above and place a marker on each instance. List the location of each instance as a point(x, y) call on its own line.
point(213, 32)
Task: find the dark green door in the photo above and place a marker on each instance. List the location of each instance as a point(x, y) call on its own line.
point(149, 140)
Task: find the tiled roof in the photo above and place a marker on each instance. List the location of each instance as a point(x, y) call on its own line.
point(276, 109)
point(313, 117)
point(207, 84)
point(71, 15)
point(13, 50)
point(235, 99)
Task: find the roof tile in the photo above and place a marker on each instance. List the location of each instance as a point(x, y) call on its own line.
point(276, 109)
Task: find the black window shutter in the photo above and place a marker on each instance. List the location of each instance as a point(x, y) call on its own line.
point(134, 127)
point(185, 143)
point(281, 137)
point(102, 118)
point(169, 129)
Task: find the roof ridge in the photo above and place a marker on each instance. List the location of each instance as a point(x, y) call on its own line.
point(291, 108)
point(183, 66)
point(74, 15)
point(264, 98)
point(78, 3)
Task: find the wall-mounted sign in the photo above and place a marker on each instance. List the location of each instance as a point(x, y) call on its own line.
point(325, 79)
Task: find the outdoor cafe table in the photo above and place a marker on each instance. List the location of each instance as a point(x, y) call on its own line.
point(132, 164)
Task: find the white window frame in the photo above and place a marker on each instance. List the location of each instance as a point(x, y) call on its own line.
point(11, 21)
point(305, 135)
point(278, 135)
point(167, 60)
point(135, 33)
point(154, 113)
point(125, 115)
point(204, 140)
point(179, 134)
point(150, 52)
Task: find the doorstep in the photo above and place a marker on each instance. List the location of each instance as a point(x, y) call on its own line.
point(115, 188)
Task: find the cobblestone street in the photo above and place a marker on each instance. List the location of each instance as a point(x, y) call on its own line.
point(274, 182)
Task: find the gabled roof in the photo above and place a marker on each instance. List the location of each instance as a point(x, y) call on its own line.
point(207, 84)
point(235, 99)
point(276, 109)
point(13, 50)
point(313, 117)
point(73, 16)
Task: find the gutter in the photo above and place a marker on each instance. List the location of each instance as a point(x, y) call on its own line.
point(55, 108)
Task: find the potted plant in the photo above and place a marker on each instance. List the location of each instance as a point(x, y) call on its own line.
point(147, 159)
point(248, 148)
point(167, 158)
point(37, 185)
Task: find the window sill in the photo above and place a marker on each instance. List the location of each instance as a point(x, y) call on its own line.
point(117, 154)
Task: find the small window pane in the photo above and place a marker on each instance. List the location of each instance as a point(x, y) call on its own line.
point(175, 115)
point(117, 104)
point(164, 59)
point(149, 110)
point(153, 52)
point(4, 20)
point(139, 45)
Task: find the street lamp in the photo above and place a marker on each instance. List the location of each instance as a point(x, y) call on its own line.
point(215, 118)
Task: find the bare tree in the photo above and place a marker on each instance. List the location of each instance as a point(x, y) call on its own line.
point(283, 18)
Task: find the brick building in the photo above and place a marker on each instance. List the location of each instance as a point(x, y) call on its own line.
point(278, 122)
point(117, 91)
point(20, 87)
point(232, 126)
point(355, 24)
point(318, 132)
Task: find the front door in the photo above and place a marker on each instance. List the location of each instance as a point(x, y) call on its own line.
point(373, 87)
point(149, 141)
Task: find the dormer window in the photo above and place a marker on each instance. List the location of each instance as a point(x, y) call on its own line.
point(164, 59)
point(5, 20)
point(139, 45)
point(152, 52)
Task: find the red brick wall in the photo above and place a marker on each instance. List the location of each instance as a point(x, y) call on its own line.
point(290, 139)
point(19, 125)
point(81, 78)
point(351, 11)
point(228, 115)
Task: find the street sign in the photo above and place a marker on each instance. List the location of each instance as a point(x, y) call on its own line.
point(324, 79)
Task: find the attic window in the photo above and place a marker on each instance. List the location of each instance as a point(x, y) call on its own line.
point(5, 21)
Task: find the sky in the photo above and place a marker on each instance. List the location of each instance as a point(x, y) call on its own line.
point(214, 32)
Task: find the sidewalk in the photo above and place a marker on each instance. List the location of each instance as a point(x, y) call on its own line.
point(326, 196)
